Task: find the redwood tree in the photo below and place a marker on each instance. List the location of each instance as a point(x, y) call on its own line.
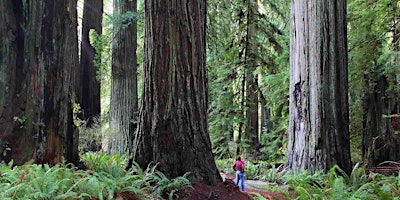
point(380, 97)
point(38, 58)
point(173, 116)
point(319, 116)
point(124, 100)
point(88, 87)
point(251, 132)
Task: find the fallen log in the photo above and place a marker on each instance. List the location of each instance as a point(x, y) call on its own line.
point(386, 168)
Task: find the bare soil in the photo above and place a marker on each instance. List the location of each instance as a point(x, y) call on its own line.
point(226, 191)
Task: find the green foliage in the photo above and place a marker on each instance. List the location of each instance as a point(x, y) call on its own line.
point(167, 187)
point(373, 53)
point(89, 138)
point(112, 24)
point(225, 165)
point(76, 110)
point(252, 170)
point(227, 68)
point(105, 179)
point(258, 197)
point(101, 44)
point(271, 175)
point(20, 120)
point(336, 184)
point(101, 162)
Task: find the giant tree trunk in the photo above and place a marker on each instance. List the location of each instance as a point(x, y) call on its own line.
point(38, 60)
point(124, 103)
point(88, 88)
point(173, 116)
point(319, 116)
point(15, 140)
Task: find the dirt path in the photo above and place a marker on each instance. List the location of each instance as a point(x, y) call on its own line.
point(257, 187)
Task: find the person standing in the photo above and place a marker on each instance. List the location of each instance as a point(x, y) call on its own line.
point(239, 168)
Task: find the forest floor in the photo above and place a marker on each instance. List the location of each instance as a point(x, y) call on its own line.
point(228, 191)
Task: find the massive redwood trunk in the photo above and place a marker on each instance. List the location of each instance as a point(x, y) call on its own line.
point(38, 60)
point(124, 98)
point(88, 87)
point(173, 116)
point(319, 116)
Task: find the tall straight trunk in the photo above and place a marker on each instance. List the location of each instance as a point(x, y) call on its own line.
point(15, 141)
point(395, 109)
point(241, 124)
point(319, 117)
point(124, 103)
point(88, 89)
point(39, 61)
point(173, 127)
point(251, 132)
point(377, 143)
point(265, 115)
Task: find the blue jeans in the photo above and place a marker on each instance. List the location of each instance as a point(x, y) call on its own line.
point(240, 179)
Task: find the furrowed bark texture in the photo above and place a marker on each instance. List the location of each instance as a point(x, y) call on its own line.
point(173, 116)
point(88, 89)
point(12, 81)
point(124, 98)
point(36, 111)
point(319, 116)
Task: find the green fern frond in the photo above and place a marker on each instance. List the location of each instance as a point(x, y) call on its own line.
point(364, 192)
point(339, 189)
point(302, 193)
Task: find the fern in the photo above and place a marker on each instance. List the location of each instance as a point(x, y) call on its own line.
point(302, 193)
point(166, 187)
point(32, 181)
point(358, 176)
point(272, 175)
point(338, 189)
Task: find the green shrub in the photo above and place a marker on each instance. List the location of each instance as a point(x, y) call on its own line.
point(170, 188)
point(105, 179)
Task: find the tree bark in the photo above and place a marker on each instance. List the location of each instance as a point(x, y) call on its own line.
point(12, 103)
point(124, 98)
point(173, 116)
point(251, 132)
point(378, 143)
point(88, 87)
point(319, 117)
point(39, 61)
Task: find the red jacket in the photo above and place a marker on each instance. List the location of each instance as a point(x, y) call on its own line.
point(239, 165)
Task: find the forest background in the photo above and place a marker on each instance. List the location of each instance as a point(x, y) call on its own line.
point(248, 81)
point(248, 53)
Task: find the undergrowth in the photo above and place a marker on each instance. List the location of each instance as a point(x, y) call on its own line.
point(334, 185)
point(105, 178)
